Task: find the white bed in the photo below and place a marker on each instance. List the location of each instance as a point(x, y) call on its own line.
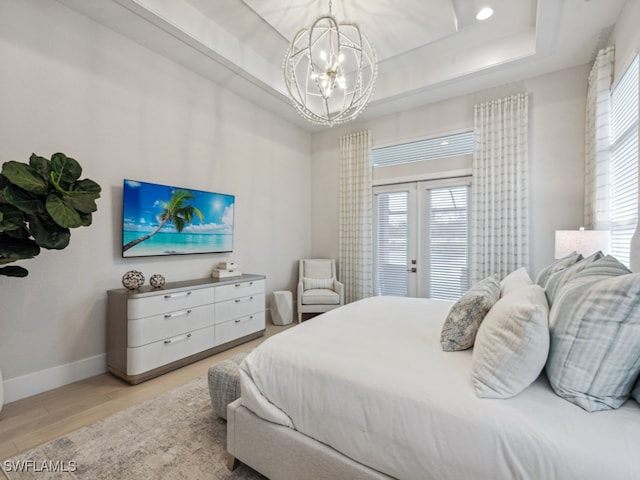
point(370, 381)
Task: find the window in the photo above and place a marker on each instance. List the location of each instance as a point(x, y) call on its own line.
point(624, 162)
point(439, 147)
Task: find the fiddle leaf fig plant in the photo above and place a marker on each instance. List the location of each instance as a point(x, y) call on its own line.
point(39, 203)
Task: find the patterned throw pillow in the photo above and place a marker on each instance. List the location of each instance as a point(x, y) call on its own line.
point(560, 264)
point(512, 344)
point(558, 279)
point(461, 325)
point(315, 283)
point(595, 332)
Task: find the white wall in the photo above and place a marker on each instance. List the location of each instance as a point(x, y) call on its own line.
point(557, 109)
point(70, 85)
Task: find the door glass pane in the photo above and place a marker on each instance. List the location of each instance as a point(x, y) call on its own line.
point(391, 243)
point(447, 242)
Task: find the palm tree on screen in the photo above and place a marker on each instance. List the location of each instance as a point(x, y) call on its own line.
point(174, 211)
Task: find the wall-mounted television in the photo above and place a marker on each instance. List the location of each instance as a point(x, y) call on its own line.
point(168, 220)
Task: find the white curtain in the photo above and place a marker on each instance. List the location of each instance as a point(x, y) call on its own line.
point(597, 142)
point(499, 198)
point(356, 243)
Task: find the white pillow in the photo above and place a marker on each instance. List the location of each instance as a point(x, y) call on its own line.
point(512, 344)
point(516, 279)
point(315, 283)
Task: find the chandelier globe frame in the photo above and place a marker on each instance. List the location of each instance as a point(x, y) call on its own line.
point(330, 70)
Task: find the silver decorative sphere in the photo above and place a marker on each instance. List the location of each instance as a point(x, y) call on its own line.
point(156, 281)
point(133, 280)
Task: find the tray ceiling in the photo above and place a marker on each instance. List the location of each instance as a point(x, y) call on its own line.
point(428, 50)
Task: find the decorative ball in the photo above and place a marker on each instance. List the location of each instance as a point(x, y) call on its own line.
point(156, 281)
point(133, 280)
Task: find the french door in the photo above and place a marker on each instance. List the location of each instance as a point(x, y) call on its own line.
point(421, 239)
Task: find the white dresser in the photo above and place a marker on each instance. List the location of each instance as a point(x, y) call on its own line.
point(152, 331)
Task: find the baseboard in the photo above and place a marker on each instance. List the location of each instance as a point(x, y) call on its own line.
point(38, 382)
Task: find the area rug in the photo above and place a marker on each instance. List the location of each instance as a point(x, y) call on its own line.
point(173, 436)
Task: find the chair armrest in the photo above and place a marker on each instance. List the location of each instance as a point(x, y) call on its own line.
point(300, 292)
point(338, 287)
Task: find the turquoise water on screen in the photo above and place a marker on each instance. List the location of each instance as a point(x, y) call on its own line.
point(177, 243)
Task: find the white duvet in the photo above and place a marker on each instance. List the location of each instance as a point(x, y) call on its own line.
point(371, 380)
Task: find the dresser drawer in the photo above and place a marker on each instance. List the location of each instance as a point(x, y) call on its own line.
point(158, 327)
point(154, 355)
point(240, 289)
point(169, 301)
point(239, 307)
point(239, 327)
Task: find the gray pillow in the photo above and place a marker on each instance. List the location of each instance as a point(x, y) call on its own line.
point(560, 264)
point(557, 280)
point(606, 266)
point(461, 325)
point(512, 344)
point(595, 333)
point(636, 391)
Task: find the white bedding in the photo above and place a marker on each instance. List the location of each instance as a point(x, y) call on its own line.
point(371, 380)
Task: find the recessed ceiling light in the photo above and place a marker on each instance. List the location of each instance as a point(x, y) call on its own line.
point(484, 13)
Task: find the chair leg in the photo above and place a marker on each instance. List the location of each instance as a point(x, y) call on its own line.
point(299, 317)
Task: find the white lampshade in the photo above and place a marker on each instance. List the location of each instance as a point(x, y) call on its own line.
point(582, 241)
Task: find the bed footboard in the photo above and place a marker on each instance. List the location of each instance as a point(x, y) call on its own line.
point(281, 453)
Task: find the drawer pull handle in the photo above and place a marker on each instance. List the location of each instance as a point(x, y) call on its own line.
point(238, 285)
point(240, 319)
point(238, 300)
point(177, 339)
point(177, 314)
point(177, 295)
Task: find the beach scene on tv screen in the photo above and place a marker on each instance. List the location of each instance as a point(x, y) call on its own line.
point(166, 220)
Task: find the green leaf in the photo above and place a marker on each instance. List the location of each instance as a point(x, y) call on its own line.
point(17, 248)
point(40, 165)
point(86, 219)
point(25, 201)
point(25, 177)
point(64, 170)
point(12, 217)
point(48, 234)
point(14, 271)
point(64, 215)
point(21, 232)
point(83, 195)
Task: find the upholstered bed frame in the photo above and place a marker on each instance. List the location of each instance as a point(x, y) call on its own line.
point(540, 428)
point(260, 445)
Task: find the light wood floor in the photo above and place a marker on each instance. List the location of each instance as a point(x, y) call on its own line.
point(29, 422)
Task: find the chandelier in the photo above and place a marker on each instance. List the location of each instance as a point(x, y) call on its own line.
point(329, 70)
